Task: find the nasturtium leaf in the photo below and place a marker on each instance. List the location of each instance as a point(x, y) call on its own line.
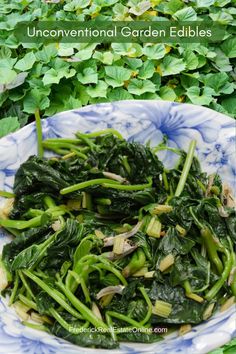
point(99, 90)
point(26, 62)
point(35, 99)
point(229, 47)
point(199, 97)
point(171, 66)
point(167, 93)
point(155, 51)
point(88, 76)
point(138, 87)
point(147, 70)
point(116, 75)
point(185, 14)
point(8, 125)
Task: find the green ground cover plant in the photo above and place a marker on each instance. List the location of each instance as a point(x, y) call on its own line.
point(57, 77)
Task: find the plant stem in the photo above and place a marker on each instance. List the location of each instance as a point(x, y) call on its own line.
point(35, 326)
point(27, 287)
point(186, 168)
point(125, 187)
point(110, 325)
point(39, 133)
point(83, 309)
point(67, 326)
point(149, 304)
point(103, 132)
point(56, 295)
point(28, 302)
point(14, 290)
point(218, 285)
point(6, 194)
point(82, 185)
point(124, 318)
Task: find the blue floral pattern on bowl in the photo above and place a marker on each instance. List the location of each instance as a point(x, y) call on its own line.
point(143, 121)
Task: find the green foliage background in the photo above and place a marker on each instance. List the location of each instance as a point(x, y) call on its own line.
point(58, 77)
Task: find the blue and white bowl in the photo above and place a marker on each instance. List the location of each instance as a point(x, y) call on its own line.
point(141, 121)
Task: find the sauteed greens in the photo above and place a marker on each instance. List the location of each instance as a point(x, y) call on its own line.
point(109, 243)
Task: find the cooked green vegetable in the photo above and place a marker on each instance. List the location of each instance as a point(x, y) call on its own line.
point(106, 239)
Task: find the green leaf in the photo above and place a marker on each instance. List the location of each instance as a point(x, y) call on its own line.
point(47, 53)
point(7, 75)
point(186, 14)
point(201, 98)
point(8, 125)
point(167, 93)
point(75, 5)
point(222, 17)
point(173, 6)
point(51, 77)
point(71, 103)
point(204, 3)
point(138, 87)
point(229, 47)
point(85, 51)
point(7, 63)
point(133, 63)
point(100, 90)
point(88, 76)
point(60, 69)
point(219, 83)
point(35, 99)
point(104, 57)
point(229, 105)
point(26, 62)
point(156, 51)
point(221, 61)
point(171, 66)
point(5, 52)
point(132, 50)
point(190, 60)
point(65, 50)
point(147, 70)
point(116, 75)
point(19, 80)
point(119, 94)
point(140, 8)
